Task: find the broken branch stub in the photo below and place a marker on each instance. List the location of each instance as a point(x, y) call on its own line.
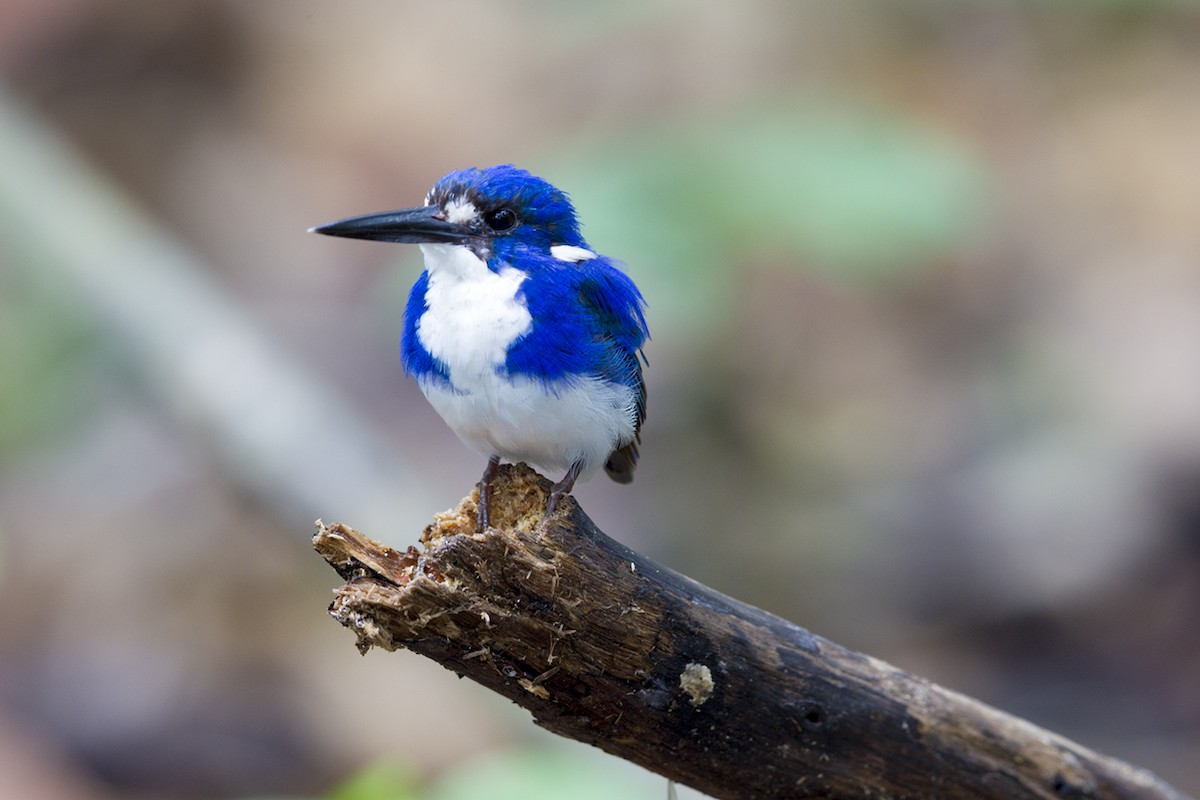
point(606, 647)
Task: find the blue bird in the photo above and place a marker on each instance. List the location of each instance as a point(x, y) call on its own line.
point(523, 338)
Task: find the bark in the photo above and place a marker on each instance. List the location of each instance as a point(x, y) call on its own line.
point(606, 647)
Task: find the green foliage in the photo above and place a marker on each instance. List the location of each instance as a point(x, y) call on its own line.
point(381, 781)
point(43, 353)
point(846, 190)
point(851, 191)
point(523, 773)
point(538, 774)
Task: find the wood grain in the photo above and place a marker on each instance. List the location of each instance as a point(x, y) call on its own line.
point(606, 647)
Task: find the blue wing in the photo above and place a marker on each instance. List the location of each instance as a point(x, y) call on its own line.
point(588, 321)
point(617, 303)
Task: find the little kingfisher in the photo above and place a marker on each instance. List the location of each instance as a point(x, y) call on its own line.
point(523, 338)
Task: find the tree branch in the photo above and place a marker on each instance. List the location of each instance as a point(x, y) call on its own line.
point(609, 648)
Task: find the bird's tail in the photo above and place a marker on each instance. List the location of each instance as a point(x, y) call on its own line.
point(622, 463)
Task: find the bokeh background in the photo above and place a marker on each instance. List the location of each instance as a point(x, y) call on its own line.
point(924, 290)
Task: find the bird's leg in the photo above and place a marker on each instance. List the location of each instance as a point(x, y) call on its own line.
point(485, 492)
point(563, 487)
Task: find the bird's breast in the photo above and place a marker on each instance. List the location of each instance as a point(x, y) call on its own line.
point(472, 315)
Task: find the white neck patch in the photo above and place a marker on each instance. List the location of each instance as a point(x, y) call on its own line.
point(571, 253)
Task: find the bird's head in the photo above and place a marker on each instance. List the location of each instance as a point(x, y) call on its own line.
point(492, 211)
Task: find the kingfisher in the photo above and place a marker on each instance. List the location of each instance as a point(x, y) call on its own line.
point(526, 341)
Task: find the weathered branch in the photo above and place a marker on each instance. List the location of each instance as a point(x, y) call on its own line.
point(606, 647)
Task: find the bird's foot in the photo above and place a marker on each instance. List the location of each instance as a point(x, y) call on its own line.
point(485, 493)
point(561, 489)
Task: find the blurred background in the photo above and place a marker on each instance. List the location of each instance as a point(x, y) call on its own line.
point(924, 291)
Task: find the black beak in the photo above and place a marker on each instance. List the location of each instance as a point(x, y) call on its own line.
point(409, 226)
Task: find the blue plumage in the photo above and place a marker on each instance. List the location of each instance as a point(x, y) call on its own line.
point(413, 355)
point(548, 218)
point(587, 320)
point(525, 340)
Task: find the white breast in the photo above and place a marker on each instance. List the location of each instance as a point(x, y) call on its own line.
point(521, 419)
point(472, 315)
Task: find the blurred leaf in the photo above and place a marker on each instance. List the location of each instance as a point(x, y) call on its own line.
point(381, 781)
point(855, 192)
point(43, 354)
point(537, 774)
point(850, 191)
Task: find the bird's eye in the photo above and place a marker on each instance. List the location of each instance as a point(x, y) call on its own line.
point(502, 219)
